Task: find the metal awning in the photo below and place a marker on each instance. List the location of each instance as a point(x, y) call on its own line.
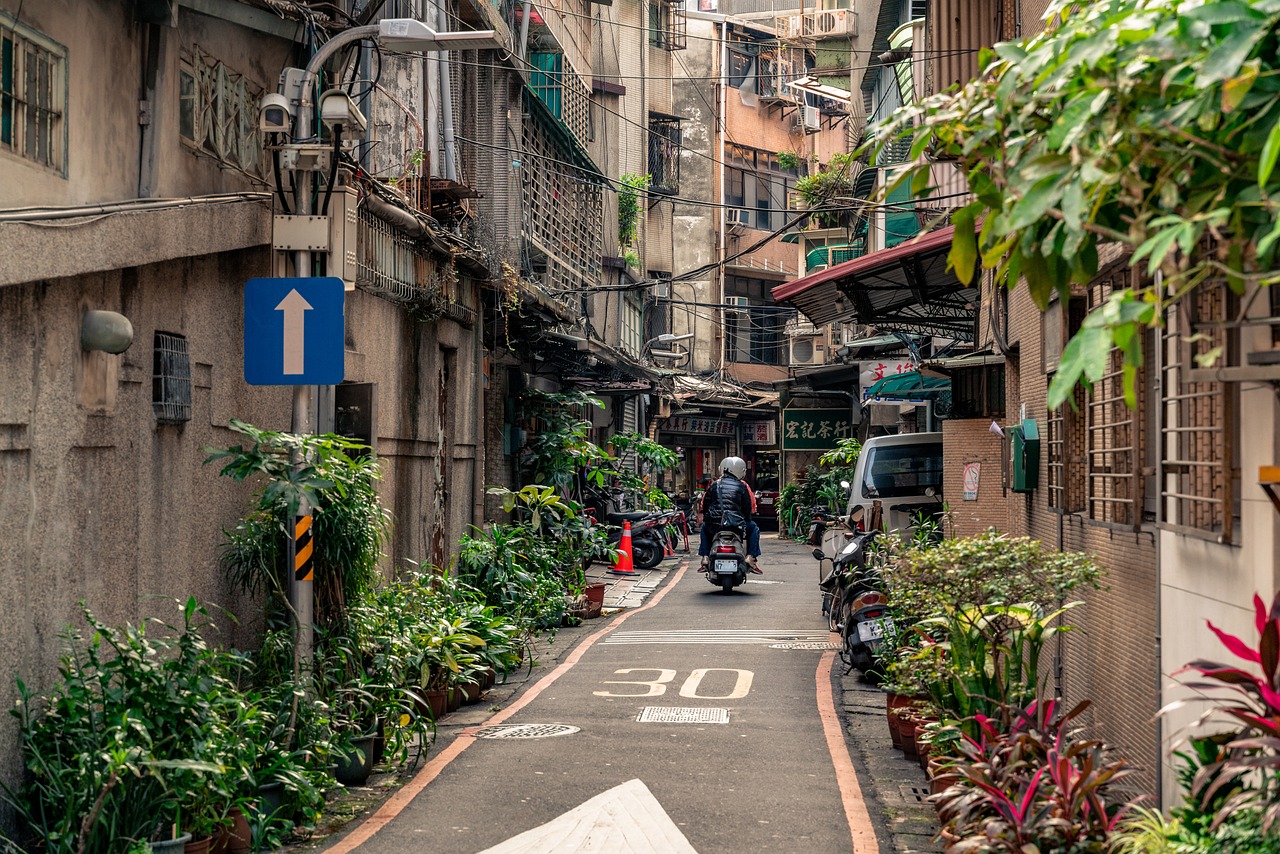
point(911, 385)
point(813, 84)
point(945, 367)
point(905, 288)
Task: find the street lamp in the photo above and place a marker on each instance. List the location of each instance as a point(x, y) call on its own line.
point(668, 338)
point(405, 34)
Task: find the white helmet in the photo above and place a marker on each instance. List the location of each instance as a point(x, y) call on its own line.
point(735, 466)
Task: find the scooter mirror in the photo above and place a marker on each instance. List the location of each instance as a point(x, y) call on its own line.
point(819, 555)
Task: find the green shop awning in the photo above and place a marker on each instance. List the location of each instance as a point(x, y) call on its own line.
point(909, 386)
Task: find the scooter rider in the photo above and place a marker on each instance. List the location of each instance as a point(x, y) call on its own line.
point(729, 493)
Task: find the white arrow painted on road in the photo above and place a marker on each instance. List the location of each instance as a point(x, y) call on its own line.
point(625, 818)
point(295, 308)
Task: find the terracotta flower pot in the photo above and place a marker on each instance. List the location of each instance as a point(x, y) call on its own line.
point(197, 846)
point(907, 733)
point(595, 592)
point(434, 702)
point(235, 839)
point(454, 698)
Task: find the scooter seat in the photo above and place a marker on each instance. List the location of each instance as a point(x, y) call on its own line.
point(634, 516)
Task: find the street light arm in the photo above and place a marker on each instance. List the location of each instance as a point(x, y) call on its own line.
point(326, 51)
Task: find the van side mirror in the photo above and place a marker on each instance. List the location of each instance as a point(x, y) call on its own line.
point(818, 554)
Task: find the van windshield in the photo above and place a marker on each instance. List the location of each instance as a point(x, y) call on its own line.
point(895, 471)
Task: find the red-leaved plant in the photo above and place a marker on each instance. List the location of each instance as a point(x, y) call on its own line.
point(1248, 765)
point(1037, 787)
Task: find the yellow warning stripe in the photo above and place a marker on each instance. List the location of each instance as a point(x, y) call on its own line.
point(303, 545)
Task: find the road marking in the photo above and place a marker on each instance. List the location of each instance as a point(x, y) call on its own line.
point(657, 687)
point(855, 808)
point(625, 818)
point(722, 636)
point(401, 799)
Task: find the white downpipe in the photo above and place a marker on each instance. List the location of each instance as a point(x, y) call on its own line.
point(446, 103)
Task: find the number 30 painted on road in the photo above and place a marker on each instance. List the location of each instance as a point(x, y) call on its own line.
point(658, 687)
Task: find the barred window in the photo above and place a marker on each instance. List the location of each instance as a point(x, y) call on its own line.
point(218, 112)
point(1064, 454)
point(1113, 432)
point(33, 95)
point(664, 154)
point(667, 24)
point(171, 379)
point(1199, 476)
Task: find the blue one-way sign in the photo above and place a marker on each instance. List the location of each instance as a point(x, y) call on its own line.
point(293, 331)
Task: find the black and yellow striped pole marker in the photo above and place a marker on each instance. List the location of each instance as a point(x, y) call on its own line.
point(303, 562)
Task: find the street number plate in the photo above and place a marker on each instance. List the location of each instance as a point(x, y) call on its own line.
point(874, 629)
point(727, 567)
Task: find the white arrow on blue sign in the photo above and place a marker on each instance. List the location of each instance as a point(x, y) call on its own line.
point(293, 331)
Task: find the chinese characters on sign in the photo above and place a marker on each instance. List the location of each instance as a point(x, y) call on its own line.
point(815, 429)
point(759, 433)
point(872, 372)
point(700, 426)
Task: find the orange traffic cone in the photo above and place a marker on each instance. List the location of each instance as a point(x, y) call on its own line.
point(625, 565)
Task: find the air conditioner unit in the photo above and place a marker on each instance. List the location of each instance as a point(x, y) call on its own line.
point(737, 302)
point(809, 350)
point(738, 216)
point(812, 119)
point(823, 24)
point(662, 289)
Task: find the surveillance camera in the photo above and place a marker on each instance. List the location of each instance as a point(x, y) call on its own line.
point(337, 110)
point(275, 114)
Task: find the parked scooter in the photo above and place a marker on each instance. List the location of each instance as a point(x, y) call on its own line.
point(647, 531)
point(854, 603)
point(727, 563)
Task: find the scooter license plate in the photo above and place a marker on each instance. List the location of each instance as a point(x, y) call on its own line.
point(726, 567)
point(874, 629)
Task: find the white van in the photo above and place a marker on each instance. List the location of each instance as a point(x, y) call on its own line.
point(904, 474)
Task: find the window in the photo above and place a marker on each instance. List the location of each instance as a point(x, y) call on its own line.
point(629, 329)
point(1064, 456)
point(897, 471)
point(756, 183)
point(33, 95)
point(171, 379)
point(667, 24)
point(1113, 433)
point(664, 155)
point(218, 112)
point(1199, 474)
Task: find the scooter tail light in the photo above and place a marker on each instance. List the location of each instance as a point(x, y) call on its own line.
point(724, 550)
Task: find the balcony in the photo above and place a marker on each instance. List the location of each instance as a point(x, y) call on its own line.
point(665, 137)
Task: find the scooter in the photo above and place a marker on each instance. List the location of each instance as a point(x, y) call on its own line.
point(646, 532)
point(854, 603)
point(727, 564)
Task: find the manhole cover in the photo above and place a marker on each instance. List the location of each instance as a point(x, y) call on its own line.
point(804, 645)
point(526, 731)
point(667, 715)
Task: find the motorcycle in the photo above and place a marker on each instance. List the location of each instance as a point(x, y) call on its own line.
point(854, 603)
point(727, 563)
point(647, 532)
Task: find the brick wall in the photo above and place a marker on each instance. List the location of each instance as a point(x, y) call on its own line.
point(971, 441)
point(498, 470)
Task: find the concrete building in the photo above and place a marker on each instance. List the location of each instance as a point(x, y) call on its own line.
point(158, 208)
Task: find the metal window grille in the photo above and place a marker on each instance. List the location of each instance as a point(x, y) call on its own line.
point(171, 379)
point(562, 211)
point(33, 95)
point(667, 25)
point(1064, 455)
point(664, 155)
point(1198, 478)
point(564, 92)
point(218, 111)
point(1113, 433)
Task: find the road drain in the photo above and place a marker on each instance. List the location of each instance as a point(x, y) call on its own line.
point(526, 731)
point(804, 645)
point(667, 715)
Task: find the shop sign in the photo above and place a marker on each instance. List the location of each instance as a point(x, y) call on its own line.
point(700, 426)
point(814, 429)
point(760, 432)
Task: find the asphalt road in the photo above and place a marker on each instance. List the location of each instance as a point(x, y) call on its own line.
point(629, 773)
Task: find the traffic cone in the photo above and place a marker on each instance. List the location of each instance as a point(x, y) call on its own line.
point(667, 550)
point(625, 565)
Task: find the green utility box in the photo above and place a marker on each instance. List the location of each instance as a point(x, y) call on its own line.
point(1026, 456)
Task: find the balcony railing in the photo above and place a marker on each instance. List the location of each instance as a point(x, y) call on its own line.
point(822, 257)
point(664, 155)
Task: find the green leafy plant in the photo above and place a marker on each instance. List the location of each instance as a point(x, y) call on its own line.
point(789, 160)
point(820, 188)
point(630, 186)
point(1153, 126)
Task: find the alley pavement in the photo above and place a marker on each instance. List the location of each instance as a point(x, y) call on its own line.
point(688, 726)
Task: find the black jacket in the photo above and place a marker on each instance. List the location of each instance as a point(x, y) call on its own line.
point(727, 493)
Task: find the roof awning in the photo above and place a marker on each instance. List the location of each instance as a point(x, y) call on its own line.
point(812, 83)
point(905, 288)
point(944, 367)
point(910, 385)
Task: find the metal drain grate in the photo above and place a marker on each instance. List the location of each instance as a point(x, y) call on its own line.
point(667, 715)
point(526, 731)
point(804, 645)
point(914, 794)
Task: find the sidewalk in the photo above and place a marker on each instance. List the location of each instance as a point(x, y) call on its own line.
point(630, 591)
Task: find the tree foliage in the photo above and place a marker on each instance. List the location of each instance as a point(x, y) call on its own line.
point(1152, 124)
